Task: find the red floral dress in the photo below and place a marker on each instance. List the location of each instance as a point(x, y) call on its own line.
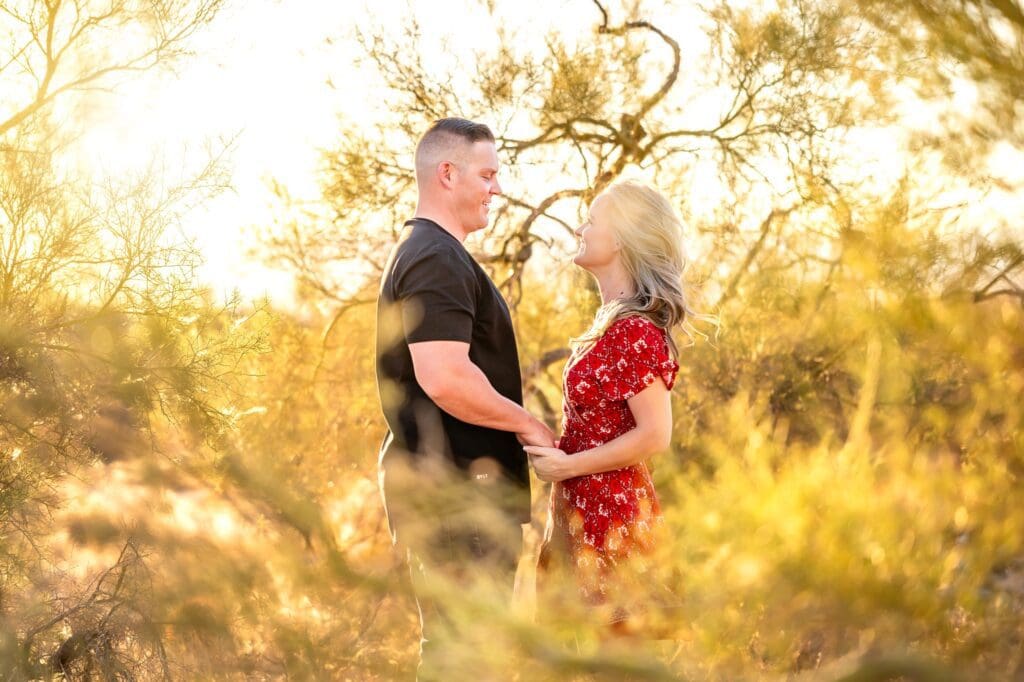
point(599, 523)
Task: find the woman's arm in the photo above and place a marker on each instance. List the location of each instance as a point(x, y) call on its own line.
point(652, 411)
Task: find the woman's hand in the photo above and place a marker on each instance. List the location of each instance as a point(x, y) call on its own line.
point(551, 464)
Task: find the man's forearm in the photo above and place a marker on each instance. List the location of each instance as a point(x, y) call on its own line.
point(466, 394)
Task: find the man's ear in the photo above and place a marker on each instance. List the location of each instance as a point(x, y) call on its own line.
point(446, 171)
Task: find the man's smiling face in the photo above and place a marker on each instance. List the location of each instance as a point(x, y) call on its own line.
point(476, 184)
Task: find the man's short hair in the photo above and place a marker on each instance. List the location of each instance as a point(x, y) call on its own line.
point(443, 140)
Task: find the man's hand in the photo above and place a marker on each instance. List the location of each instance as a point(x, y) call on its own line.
point(550, 464)
point(536, 432)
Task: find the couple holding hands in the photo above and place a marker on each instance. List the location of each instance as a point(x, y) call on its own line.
point(454, 466)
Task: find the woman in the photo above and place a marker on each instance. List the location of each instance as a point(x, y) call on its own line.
point(604, 513)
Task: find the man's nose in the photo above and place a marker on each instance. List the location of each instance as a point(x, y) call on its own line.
point(496, 188)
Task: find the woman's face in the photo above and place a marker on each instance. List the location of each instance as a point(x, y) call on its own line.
point(598, 245)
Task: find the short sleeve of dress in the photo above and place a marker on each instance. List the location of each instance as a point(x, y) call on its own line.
point(437, 294)
point(632, 355)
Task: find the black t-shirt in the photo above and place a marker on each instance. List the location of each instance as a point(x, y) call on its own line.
point(433, 290)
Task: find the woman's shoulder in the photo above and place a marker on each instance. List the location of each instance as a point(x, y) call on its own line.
point(632, 328)
point(633, 352)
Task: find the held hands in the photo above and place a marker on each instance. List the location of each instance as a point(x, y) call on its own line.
point(550, 464)
point(536, 432)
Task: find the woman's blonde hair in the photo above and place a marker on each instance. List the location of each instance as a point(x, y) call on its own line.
point(651, 235)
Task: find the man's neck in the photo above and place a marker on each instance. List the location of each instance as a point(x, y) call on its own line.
point(444, 219)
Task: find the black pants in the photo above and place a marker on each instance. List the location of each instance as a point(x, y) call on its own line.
point(462, 550)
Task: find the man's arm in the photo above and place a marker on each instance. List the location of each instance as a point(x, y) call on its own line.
point(446, 374)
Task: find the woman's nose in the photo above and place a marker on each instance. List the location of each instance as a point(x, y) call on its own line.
point(578, 231)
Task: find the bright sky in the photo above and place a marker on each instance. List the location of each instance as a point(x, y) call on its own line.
point(261, 73)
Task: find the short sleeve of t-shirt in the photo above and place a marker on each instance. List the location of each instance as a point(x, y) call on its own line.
point(437, 294)
point(634, 355)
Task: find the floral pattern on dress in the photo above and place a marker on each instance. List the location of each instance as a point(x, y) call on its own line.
point(597, 522)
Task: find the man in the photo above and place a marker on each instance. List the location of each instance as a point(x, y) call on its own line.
point(453, 473)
